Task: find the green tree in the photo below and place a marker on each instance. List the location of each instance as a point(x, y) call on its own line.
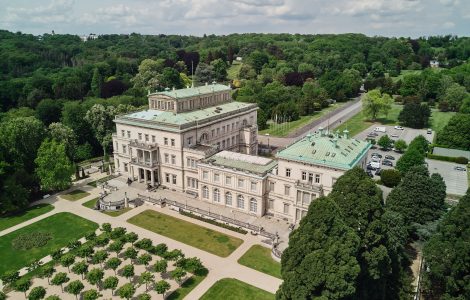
point(74, 288)
point(160, 266)
point(111, 283)
point(46, 272)
point(54, 168)
point(106, 227)
point(419, 143)
point(321, 238)
point(146, 278)
point(3, 296)
point(454, 96)
point(80, 268)
point(85, 251)
point(22, 285)
point(446, 274)
point(390, 177)
point(144, 259)
point(419, 198)
point(48, 111)
point(126, 291)
point(385, 142)
point(94, 276)
point(59, 279)
point(113, 263)
point(177, 274)
point(116, 246)
point(131, 253)
point(456, 134)
point(412, 157)
point(99, 257)
point(96, 83)
point(204, 74)
point(101, 119)
point(10, 277)
point(37, 293)
point(144, 296)
point(64, 134)
point(53, 297)
point(220, 69)
point(91, 294)
point(67, 260)
point(375, 103)
point(147, 77)
point(400, 145)
point(415, 115)
point(170, 78)
point(131, 237)
point(161, 287)
point(257, 60)
point(128, 271)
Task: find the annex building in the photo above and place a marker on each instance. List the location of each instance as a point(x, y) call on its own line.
point(198, 141)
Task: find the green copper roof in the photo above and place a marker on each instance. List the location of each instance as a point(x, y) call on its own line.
point(194, 91)
point(159, 119)
point(242, 162)
point(321, 150)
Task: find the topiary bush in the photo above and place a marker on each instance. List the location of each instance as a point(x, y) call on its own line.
point(461, 160)
point(31, 240)
point(390, 177)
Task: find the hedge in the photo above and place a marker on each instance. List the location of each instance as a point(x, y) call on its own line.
point(213, 222)
point(459, 160)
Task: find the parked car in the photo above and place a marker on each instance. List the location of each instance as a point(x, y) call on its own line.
point(429, 131)
point(457, 168)
point(380, 129)
point(378, 171)
point(370, 168)
point(389, 157)
point(372, 134)
point(377, 154)
point(394, 135)
point(386, 162)
point(370, 173)
point(398, 128)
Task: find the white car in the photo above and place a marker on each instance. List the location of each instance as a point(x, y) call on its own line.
point(398, 128)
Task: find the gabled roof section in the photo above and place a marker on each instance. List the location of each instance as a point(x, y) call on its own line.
point(194, 91)
point(332, 150)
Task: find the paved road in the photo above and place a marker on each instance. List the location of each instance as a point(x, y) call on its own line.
point(219, 267)
point(331, 120)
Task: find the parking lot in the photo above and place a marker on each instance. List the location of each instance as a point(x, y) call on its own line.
point(456, 181)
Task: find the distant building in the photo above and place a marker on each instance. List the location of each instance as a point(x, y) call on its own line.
point(199, 141)
point(239, 58)
point(434, 64)
point(91, 36)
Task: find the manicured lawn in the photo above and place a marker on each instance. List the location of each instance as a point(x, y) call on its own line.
point(194, 235)
point(63, 227)
point(403, 73)
point(99, 181)
point(283, 129)
point(359, 122)
point(75, 195)
point(259, 258)
point(91, 204)
point(28, 214)
point(440, 119)
point(233, 289)
point(186, 288)
point(233, 70)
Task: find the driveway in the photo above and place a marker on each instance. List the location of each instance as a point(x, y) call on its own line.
point(407, 134)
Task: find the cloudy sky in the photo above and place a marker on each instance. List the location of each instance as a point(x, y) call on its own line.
point(373, 17)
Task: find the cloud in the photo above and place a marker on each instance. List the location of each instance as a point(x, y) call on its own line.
point(54, 12)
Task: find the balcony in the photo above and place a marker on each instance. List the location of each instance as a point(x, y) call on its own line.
point(142, 145)
point(309, 186)
point(144, 163)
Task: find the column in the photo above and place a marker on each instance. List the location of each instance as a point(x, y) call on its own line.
point(139, 174)
point(145, 175)
point(152, 176)
point(151, 161)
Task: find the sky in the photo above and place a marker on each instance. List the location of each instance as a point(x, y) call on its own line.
point(408, 18)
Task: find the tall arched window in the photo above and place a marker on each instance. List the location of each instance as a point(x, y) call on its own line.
point(244, 123)
point(240, 202)
point(253, 205)
point(204, 138)
point(228, 198)
point(216, 195)
point(205, 192)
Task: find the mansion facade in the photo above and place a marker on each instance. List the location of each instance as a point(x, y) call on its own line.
point(198, 141)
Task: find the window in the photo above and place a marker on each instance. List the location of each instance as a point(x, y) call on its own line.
point(304, 175)
point(174, 179)
point(153, 139)
point(122, 132)
point(205, 192)
point(286, 208)
point(253, 205)
point(287, 172)
point(286, 190)
point(218, 131)
point(213, 132)
point(165, 141)
point(173, 159)
point(310, 177)
point(223, 129)
point(216, 195)
point(188, 162)
point(241, 182)
point(240, 202)
point(205, 175)
point(223, 144)
point(271, 186)
point(172, 142)
point(271, 204)
point(117, 146)
point(128, 134)
point(228, 180)
point(167, 177)
point(124, 149)
point(167, 158)
point(146, 137)
point(118, 164)
point(216, 177)
point(253, 186)
point(190, 141)
point(228, 198)
point(125, 168)
point(140, 136)
point(317, 178)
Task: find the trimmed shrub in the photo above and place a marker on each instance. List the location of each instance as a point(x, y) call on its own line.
point(31, 240)
point(461, 160)
point(390, 177)
point(214, 222)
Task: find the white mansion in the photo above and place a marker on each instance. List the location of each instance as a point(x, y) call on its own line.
point(199, 141)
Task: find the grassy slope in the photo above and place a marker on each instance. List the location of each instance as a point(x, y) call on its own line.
point(194, 235)
point(232, 289)
point(440, 119)
point(233, 70)
point(259, 258)
point(63, 227)
point(28, 214)
point(185, 288)
point(283, 129)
